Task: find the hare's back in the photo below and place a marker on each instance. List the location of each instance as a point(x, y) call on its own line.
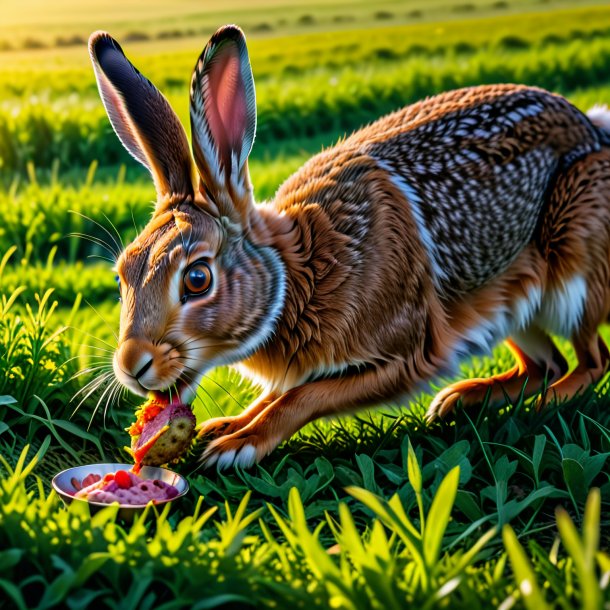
point(475, 166)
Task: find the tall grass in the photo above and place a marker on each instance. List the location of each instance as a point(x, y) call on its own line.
point(52, 76)
point(271, 558)
point(323, 100)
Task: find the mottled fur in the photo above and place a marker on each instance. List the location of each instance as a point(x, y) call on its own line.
point(424, 238)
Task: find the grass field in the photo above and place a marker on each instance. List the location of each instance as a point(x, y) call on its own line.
point(29, 24)
point(380, 510)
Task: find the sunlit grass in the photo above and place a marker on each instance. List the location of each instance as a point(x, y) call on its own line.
point(374, 510)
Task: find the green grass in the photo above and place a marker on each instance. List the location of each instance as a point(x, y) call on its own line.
point(47, 73)
point(375, 510)
point(185, 21)
point(384, 74)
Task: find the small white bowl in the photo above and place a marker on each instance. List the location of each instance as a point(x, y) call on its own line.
point(62, 484)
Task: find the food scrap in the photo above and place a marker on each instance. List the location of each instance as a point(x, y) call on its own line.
point(125, 488)
point(162, 432)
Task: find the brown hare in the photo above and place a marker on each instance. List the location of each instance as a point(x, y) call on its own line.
point(478, 215)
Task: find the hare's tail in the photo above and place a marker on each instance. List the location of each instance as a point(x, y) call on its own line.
point(599, 115)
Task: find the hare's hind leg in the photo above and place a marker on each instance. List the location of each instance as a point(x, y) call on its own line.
point(538, 361)
point(576, 239)
point(593, 363)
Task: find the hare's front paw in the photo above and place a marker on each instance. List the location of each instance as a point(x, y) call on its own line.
point(242, 448)
point(220, 426)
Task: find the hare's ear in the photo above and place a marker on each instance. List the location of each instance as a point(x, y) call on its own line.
point(142, 118)
point(223, 120)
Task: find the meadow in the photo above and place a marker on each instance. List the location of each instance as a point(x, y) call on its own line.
point(493, 508)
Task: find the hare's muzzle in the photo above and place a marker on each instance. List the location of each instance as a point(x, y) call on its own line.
point(143, 366)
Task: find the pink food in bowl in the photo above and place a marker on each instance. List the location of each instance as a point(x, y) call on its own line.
point(126, 488)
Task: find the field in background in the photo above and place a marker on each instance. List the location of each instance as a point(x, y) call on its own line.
point(31, 25)
point(322, 70)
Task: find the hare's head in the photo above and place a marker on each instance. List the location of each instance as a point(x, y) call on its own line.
point(196, 290)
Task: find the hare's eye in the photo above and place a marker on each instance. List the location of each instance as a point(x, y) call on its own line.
point(197, 279)
point(118, 283)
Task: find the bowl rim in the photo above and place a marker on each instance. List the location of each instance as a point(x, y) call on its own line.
point(62, 492)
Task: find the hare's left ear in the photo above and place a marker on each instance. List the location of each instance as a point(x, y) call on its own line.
point(223, 121)
point(142, 119)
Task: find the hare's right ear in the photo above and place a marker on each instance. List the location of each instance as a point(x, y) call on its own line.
point(223, 121)
point(142, 118)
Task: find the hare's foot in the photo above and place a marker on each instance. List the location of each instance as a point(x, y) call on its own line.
point(223, 426)
point(471, 392)
point(543, 363)
point(446, 401)
point(241, 448)
point(219, 426)
point(593, 364)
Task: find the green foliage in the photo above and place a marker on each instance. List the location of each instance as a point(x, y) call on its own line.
point(586, 566)
point(39, 378)
point(86, 222)
point(35, 357)
point(492, 482)
point(170, 68)
point(72, 223)
point(353, 81)
point(75, 559)
point(97, 281)
point(51, 555)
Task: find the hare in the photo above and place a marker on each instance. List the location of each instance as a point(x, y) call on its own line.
point(428, 236)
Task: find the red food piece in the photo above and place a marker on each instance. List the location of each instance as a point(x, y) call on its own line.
point(86, 481)
point(90, 479)
point(140, 452)
point(122, 479)
point(146, 413)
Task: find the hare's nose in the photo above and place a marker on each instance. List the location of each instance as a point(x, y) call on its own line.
point(134, 359)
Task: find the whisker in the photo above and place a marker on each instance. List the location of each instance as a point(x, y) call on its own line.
point(92, 384)
point(98, 348)
point(190, 368)
point(201, 346)
point(84, 332)
point(187, 341)
point(95, 384)
point(103, 228)
point(223, 389)
point(89, 370)
point(100, 358)
point(116, 231)
point(103, 258)
point(103, 320)
point(97, 406)
point(91, 359)
point(113, 398)
point(98, 242)
point(186, 377)
point(205, 376)
point(134, 220)
point(188, 345)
